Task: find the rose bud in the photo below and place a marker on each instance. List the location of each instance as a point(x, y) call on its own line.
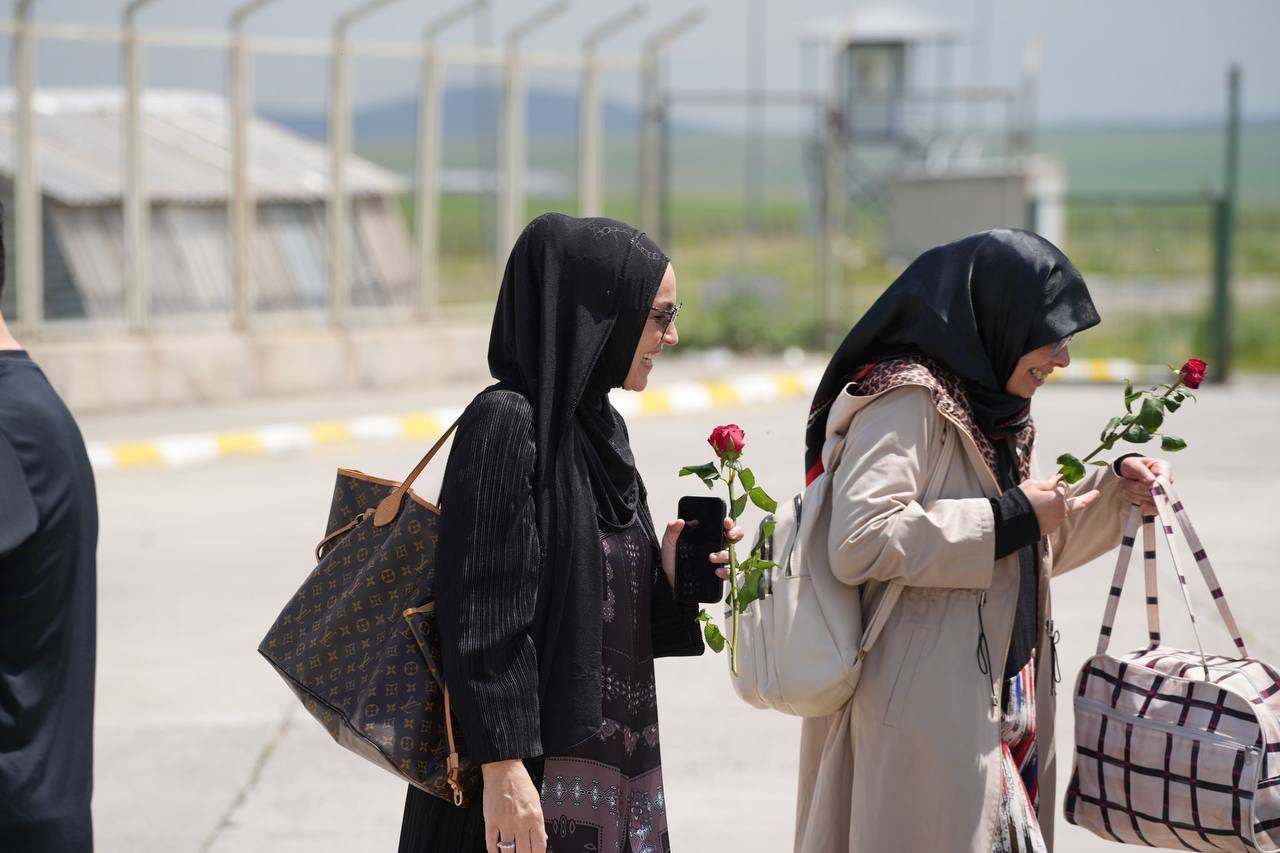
point(728, 441)
point(1192, 373)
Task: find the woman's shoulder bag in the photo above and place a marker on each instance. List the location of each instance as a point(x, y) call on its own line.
point(358, 644)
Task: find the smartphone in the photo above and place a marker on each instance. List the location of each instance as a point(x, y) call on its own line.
point(703, 535)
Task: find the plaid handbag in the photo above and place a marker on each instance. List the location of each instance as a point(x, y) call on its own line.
point(358, 644)
point(1176, 748)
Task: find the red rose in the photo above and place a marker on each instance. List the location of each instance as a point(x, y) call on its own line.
point(1192, 373)
point(728, 441)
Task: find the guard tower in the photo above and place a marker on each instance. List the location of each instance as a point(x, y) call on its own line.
point(936, 158)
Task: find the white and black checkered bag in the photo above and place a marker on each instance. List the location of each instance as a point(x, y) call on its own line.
point(1176, 748)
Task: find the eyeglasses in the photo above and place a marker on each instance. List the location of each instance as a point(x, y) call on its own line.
point(1061, 345)
point(665, 316)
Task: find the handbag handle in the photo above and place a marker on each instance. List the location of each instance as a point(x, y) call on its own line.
point(1168, 504)
point(1168, 507)
point(452, 766)
point(389, 507)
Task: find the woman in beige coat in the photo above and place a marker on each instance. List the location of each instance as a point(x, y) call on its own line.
point(923, 421)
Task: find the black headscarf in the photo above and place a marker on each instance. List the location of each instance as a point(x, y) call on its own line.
point(975, 306)
point(575, 298)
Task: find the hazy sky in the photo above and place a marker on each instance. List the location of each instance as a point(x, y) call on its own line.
point(1102, 60)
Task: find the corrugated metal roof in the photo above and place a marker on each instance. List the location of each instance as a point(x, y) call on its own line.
point(187, 151)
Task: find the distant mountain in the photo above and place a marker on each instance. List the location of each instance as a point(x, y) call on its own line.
point(469, 111)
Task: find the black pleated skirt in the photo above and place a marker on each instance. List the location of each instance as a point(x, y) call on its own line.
point(431, 825)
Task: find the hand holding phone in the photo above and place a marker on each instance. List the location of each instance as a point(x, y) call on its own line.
point(703, 535)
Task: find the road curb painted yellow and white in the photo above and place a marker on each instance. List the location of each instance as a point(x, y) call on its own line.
point(677, 398)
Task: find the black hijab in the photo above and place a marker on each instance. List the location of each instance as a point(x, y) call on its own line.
point(574, 301)
point(975, 306)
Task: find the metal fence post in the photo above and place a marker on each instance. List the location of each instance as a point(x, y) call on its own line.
point(1224, 236)
point(340, 132)
point(29, 221)
point(590, 150)
point(651, 117)
point(511, 189)
point(426, 208)
point(242, 204)
point(137, 206)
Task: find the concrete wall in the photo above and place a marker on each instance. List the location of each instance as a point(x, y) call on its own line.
point(123, 372)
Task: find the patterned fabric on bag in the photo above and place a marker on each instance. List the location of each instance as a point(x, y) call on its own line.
point(1019, 827)
point(1176, 748)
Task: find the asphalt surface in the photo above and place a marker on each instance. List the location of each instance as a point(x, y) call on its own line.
point(200, 746)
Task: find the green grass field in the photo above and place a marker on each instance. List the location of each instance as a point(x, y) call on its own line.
point(762, 292)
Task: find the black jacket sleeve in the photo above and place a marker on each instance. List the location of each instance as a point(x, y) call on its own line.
point(1016, 523)
point(487, 572)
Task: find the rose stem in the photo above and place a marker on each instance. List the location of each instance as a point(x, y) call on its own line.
point(733, 583)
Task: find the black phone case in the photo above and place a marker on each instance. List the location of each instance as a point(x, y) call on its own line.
point(696, 579)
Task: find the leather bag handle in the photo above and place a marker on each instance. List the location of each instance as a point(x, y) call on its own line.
point(389, 507)
point(452, 766)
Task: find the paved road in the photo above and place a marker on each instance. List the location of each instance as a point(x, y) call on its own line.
point(200, 746)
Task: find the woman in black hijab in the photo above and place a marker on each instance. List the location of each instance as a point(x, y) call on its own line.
point(921, 438)
point(554, 594)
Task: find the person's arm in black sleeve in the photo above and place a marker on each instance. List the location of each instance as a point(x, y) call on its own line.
point(487, 570)
point(1016, 524)
point(18, 517)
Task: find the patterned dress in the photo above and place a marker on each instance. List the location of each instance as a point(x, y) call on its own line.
point(605, 795)
point(1019, 828)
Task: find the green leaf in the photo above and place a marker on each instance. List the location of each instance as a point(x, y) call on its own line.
point(766, 529)
point(761, 498)
point(1111, 442)
point(704, 617)
point(1071, 468)
point(1111, 424)
point(1172, 405)
point(1137, 435)
point(739, 504)
point(1172, 444)
point(1101, 464)
point(1151, 416)
point(715, 639)
point(748, 479)
point(705, 472)
point(1128, 392)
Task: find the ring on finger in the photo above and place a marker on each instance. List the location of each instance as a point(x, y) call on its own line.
point(506, 845)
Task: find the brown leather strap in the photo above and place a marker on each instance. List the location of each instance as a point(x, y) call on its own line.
point(389, 507)
point(452, 762)
point(340, 532)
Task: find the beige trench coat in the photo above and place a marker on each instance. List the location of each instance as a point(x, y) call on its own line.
point(912, 763)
